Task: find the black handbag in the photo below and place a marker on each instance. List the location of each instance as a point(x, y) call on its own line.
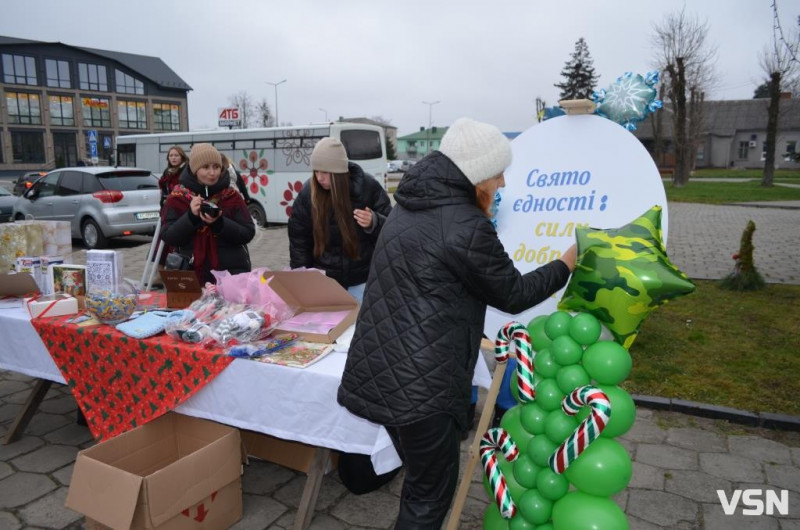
point(178, 262)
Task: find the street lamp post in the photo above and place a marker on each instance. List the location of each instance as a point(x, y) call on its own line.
point(326, 113)
point(277, 122)
point(430, 105)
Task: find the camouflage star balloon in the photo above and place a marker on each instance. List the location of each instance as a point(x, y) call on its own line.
point(629, 99)
point(622, 274)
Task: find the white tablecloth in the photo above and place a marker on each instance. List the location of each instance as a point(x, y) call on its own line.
point(289, 403)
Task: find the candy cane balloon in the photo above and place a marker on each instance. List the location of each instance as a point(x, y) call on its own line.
point(492, 440)
point(522, 344)
point(589, 429)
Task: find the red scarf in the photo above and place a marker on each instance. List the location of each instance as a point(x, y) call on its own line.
point(204, 245)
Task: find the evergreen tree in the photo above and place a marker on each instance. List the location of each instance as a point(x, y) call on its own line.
point(762, 91)
point(578, 73)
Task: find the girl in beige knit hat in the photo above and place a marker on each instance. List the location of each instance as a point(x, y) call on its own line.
point(336, 218)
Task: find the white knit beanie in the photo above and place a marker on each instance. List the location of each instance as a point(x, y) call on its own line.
point(479, 150)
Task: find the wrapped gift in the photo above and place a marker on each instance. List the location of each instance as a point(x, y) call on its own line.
point(13, 244)
point(34, 243)
point(55, 237)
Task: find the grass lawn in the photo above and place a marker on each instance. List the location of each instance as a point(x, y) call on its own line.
point(740, 173)
point(725, 348)
point(724, 192)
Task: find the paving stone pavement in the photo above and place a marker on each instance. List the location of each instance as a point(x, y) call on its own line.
point(679, 461)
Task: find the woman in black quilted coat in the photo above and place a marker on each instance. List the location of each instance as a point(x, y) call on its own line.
point(437, 264)
point(337, 217)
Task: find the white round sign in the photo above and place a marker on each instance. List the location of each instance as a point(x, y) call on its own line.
point(568, 172)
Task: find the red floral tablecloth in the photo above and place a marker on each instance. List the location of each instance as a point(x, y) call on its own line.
point(120, 382)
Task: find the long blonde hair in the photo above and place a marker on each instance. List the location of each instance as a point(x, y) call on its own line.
point(338, 200)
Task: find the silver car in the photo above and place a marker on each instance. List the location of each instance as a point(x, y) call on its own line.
point(100, 202)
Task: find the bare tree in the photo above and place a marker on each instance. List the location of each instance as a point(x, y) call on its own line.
point(686, 59)
point(780, 62)
point(264, 114)
point(247, 107)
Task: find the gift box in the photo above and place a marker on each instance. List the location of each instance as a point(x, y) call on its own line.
point(13, 244)
point(48, 262)
point(33, 266)
point(103, 269)
point(52, 305)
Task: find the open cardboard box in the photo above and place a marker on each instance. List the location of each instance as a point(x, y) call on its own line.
point(182, 287)
point(312, 291)
point(173, 473)
point(17, 284)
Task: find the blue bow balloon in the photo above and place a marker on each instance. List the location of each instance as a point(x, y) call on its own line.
point(629, 99)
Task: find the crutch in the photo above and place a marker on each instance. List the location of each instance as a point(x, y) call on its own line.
point(151, 265)
point(472, 454)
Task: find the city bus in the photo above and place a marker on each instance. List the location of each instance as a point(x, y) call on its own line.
point(275, 162)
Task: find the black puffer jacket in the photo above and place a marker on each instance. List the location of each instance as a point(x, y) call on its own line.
point(365, 191)
point(232, 231)
point(437, 264)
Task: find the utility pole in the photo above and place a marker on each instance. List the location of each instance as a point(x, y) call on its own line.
point(430, 105)
point(277, 122)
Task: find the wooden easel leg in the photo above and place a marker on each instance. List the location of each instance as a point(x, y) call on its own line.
point(305, 512)
point(28, 410)
point(472, 455)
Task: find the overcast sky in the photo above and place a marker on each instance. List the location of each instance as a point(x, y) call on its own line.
point(488, 59)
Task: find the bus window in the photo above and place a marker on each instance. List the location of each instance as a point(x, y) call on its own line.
point(362, 144)
point(126, 155)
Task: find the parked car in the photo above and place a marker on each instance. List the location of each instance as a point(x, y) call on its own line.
point(100, 202)
point(6, 204)
point(400, 165)
point(26, 180)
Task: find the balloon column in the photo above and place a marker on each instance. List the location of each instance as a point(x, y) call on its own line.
point(571, 407)
point(629, 99)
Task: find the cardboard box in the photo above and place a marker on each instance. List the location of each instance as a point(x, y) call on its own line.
point(312, 291)
point(173, 473)
point(52, 305)
point(294, 455)
point(182, 287)
point(13, 284)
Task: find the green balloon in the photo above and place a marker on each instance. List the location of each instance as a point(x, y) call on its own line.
point(532, 418)
point(585, 328)
point(548, 395)
point(539, 338)
point(603, 469)
point(519, 523)
point(535, 508)
point(533, 322)
point(540, 448)
point(512, 424)
point(566, 351)
point(507, 468)
point(525, 471)
point(547, 526)
point(551, 485)
point(623, 411)
point(544, 364)
point(492, 520)
point(579, 511)
point(558, 426)
point(607, 362)
point(557, 324)
point(571, 377)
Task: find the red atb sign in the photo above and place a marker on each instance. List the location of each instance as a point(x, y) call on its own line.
point(229, 117)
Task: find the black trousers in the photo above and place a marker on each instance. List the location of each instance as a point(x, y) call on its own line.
point(429, 450)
